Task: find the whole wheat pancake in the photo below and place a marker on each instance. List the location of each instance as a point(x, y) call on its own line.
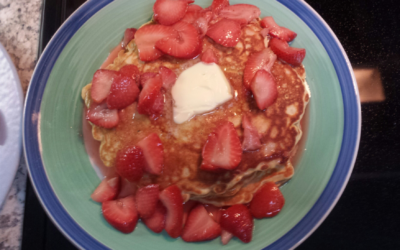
point(183, 143)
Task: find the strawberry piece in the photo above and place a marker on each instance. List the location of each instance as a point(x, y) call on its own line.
point(209, 56)
point(218, 5)
point(240, 12)
point(225, 236)
point(129, 35)
point(194, 7)
point(168, 77)
point(251, 138)
point(146, 76)
point(187, 207)
point(129, 163)
point(149, 94)
point(267, 202)
point(107, 189)
point(146, 38)
point(123, 92)
point(158, 106)
point(225, 32)
point(153, 153)
point(130, 70)
point(183, 46)
point(168, 12)
point(222, 148)
point(264, 89)
point(121, 214)
point(294, 56)
point(127, 188)
point(146, 200)
point(171, 197)
point(214, 212)
point(238, 221)
point(156, 222)
point(101, 84)
point(259, 60)
point(100, 115)
point(111, 57)
point(264, 32)
point(199, 19)
point(199, 226)
point(275, 30)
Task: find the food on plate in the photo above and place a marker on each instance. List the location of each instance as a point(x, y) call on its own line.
point(199, 110)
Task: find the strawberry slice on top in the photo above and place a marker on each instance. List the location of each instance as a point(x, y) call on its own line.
point(149, 94)
point(168, 77)
point(101, 84)
point(267, 202)
point(225, 32)
point(218, 5)
point(275, 30)
point(294, 56)
point(129, 35)
point(209, 56)
point(146, 200)
point(100, 115)
point(156, 222)
point(240, 12)
point(263, 59)
point(107, 190)
point(238, 221)
point(123, 92)
point(251, 137)
point(264, 89)
point(171, 197)
point(168, 12)
point(129, 163)
point(146, 76)
point(121, 213)
point(222, 148)
point(153, 152)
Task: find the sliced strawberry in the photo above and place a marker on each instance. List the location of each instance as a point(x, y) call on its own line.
point(294, 56)
point(218, 5)
point(156, 222)
point(214, 212)
point(123, 92)
point(107, 189)
point(239, 12)
point(149, 94)
point(182, 46)
point(251, 137)
point(225, 32)
point(259, 60)
point(128, 36)
point(111, 57)
point(171, 197)
point(225, 236)
point(127, 188)
point(130, 70)
point(222, 148)
point(209, 56)
point(101, 84)
point(193, 7)
point(168, 77)
point(237, 220)
point(199, 226)
point(146, 200)
point(100, 115)
point(168, 12)
point(199, 19)
point(187, 207)
point(158, 105)
point(267, 202)
point(264, 89)
point(129, 163)
point(264, 32)
point(275, 30)
point(121, 214)
point(153, 153)
point(146, 38)
point(146, 76)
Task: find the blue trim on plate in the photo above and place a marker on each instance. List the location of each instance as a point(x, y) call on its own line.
point(32, 147)
point(290, 239)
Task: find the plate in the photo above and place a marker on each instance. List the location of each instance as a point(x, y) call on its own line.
point(61, 170)
point(11, 103)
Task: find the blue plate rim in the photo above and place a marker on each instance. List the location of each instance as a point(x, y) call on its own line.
point(308, 224)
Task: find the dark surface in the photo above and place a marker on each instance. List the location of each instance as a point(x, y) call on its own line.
point(367, 215)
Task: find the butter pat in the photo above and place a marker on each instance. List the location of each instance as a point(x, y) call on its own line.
point(199, 89)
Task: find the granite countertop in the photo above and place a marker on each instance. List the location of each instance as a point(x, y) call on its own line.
point(19, 34)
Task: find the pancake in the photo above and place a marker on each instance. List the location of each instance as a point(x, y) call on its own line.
point(279, 126)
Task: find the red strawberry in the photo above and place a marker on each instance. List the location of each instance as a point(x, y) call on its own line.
point(149, 94)
point(187, 207)
point(199, 19)
point(239, 12)
point(107, 189)
point(225, 32)
point(146, 38)
point(201, 24)
point(128, 36)
point(267, 202)
point(237, 220)
point(158, 106)
point(183, 46)
point(127, 188)
point(146, 76)
point(101, 84)
point(111, 57)
point(259, 60)
point(123, 92)
point(171, 197)
point(251, 138)
point(264, 32)
point(153, 153)
point(199, 226)
point(214, 212)
point(218, 5)
point(168, 77)
point(294, 56)
point(277, 31)
point(130, 70)
point(209, 56)
point(146, 200)
point(129, 163)
point(100, 115)
point(222, 148)
point(225, 236)
point(121, 214)
point(194, 7)
point(264, 89)
point(156, 222)
point(168, 12)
